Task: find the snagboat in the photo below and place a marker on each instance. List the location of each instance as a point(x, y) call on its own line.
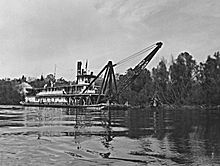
point(70, 96)
point(84, 93)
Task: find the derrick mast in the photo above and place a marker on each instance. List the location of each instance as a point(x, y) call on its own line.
point(109, 87)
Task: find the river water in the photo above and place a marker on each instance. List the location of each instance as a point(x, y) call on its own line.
point(55, 136)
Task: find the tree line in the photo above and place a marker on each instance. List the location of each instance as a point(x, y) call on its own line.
point(184, 82)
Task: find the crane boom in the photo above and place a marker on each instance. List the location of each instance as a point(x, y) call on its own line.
point(139, 68)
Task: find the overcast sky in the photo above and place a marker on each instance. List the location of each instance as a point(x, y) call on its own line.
point(37, 34)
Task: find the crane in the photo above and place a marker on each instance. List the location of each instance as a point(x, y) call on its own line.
point(109, 89)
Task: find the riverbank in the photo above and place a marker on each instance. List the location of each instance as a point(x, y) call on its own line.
point(179, 107)
point(123, 107)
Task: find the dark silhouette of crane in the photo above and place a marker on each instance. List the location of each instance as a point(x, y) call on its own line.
point(109, 90)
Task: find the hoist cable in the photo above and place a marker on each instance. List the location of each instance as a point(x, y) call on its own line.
point(135, 54)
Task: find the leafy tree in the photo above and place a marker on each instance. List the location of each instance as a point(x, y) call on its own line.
point(210, 79)
point(9, 93)
point(160, 77)
point(38, 83)
point(139, 91)
point(181, 74)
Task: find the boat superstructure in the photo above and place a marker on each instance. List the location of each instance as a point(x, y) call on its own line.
point(68, 95)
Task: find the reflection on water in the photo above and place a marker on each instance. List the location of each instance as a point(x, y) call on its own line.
point(57, 136)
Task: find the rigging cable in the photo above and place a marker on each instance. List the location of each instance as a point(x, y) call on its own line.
point(135, 55)
point(129, 58)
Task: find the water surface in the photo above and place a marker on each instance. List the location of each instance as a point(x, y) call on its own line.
point(55, 136)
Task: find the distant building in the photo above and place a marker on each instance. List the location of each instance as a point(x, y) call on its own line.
point(24, 87)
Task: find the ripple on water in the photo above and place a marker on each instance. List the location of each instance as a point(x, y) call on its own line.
point(49, 136)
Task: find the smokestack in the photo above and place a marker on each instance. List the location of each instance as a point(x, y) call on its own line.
point(79, 68)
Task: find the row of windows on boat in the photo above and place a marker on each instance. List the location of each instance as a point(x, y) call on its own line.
point(75, 101)
point(74, 89)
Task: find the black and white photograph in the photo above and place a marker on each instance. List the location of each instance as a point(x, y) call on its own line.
point(109, 82)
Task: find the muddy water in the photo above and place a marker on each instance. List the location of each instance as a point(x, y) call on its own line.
point(52, 136)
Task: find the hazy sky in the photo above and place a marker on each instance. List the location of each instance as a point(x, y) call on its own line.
point(37, 34)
